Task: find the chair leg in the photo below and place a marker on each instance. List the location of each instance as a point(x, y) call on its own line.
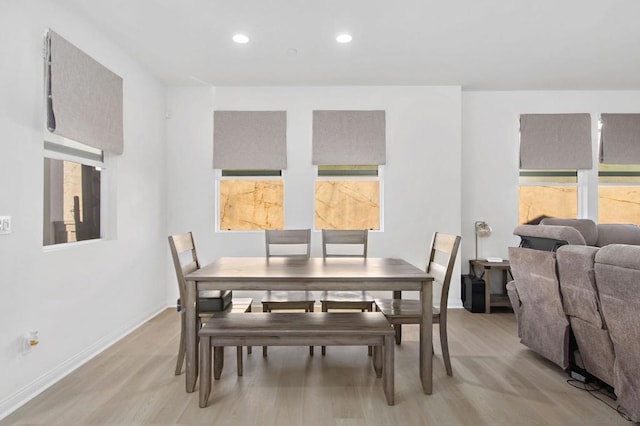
point(239, 360)
point(310, 309)
point(218, 361)
point(183, 345)
point(370, 348)
point(398, 328)
point(444, 343)
point(249, 347)
point(265, 308)
point(324, 309)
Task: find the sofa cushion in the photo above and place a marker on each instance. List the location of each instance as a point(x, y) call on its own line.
point(587, 227)
point(618, 234)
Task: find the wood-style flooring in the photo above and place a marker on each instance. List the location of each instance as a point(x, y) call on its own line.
point(496, 381)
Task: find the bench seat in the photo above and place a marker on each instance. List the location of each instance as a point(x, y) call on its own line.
point(297, 329)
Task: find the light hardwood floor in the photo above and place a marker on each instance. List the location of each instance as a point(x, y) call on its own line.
point(496, 381)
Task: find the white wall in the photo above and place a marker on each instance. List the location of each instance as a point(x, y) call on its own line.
point(81, 298)
point(490, 156)
point(421, 178)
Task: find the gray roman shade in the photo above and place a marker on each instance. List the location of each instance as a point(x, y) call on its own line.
point(555, 141)
point(250, 140)
point(84, 99)
point(349, 137)
point(620, 139)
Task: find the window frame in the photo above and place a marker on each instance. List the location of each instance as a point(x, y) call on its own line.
point(56, 147)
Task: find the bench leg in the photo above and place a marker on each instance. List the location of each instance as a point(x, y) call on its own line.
point(239, 360)
point(377, 360)
point(388, 373)
point(205, 370)
point(249, 347)
point(218, 361)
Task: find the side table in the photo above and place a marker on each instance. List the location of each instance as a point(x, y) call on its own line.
point(492, 300)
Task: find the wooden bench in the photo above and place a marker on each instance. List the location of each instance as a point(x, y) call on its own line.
point(297, 329)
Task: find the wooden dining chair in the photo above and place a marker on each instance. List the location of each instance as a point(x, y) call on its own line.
point(292, 243)
point(210, 302)
point(442, 257)
point(332, 241)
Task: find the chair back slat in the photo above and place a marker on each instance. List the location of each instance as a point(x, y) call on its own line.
point(280, 237)
point(341, 237)
point(442, 258)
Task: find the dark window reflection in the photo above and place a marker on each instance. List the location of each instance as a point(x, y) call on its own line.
point(71, 202)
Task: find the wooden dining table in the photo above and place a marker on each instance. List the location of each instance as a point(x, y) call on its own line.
point(309, 274)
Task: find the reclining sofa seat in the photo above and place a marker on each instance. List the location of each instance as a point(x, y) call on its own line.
point(617, 273)
point(535, 291)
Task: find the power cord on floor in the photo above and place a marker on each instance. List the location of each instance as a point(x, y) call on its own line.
point(594, 390)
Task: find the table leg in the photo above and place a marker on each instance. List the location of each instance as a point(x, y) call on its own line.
point(397, 294)
point(191, 368)
point(426, 337)
point(487, 291)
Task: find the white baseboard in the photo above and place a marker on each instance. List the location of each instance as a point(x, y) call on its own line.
point(42, 383)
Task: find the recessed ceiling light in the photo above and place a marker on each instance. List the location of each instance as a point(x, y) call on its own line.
point(344, 38)
point(241, 39)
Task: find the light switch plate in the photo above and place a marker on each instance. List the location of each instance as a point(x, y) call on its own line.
point(5, 224)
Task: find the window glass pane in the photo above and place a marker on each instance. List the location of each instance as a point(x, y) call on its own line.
point(71, 202)
point(619, 193)
point(251, 204)
point(551, 176)
point(553, 201)
point(619, 204)
point(348, 170)
point(347, 204)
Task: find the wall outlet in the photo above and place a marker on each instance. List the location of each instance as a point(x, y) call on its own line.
point(5, 224)
point(31, 340)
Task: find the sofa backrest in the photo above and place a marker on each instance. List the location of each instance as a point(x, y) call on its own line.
point(587, 227)
point(542, 323)
point(578, 283)
point(618, 234)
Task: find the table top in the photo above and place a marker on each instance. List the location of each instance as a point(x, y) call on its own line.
point(314, 269)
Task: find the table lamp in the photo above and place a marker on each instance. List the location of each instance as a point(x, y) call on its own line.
point(482, 230)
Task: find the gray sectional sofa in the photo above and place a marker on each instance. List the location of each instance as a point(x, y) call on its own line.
point(576, 295)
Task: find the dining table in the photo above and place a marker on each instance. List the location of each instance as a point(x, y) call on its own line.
point(309, 274)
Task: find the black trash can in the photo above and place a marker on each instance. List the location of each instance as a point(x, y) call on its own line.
point(472, 293)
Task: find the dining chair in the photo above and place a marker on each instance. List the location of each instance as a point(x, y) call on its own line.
point(291, 243)
point(442, 257)
point(332, 241)
point(210, 302)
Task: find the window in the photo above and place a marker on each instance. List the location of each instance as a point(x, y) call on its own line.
point(553, 147)
point(348, 197)
point(552, 193)
point(84, 118)
point(249, 155)
point(72, 191)
point(250, 200)
point(619, 194)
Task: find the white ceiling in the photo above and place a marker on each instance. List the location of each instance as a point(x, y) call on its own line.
point(479, 44)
